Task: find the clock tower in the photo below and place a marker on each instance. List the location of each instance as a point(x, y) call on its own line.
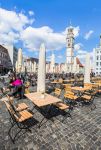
point(70, 49)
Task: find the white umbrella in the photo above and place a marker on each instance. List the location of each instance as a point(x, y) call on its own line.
point(65, 68)
point(16, 66)
point(41, 69)
point(52, 63)
point(87, 69)
point(30, 66)
point(20, 59)
point(75, 65)
point(34, 66)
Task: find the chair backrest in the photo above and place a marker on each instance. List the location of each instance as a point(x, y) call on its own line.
point(12, 111)
point(68, 94)
point(95, 88)
point(27, 84)
point(60, 80)
point(68, 87)
point(88, 85)
point(9, 108)
point(57, 92)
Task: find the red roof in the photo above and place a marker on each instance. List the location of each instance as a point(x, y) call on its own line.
point(78, 62)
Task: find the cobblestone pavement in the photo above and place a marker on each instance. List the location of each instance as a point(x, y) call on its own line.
point(82, 132)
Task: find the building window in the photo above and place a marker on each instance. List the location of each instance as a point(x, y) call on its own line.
point(97, 63)
point(97, 57)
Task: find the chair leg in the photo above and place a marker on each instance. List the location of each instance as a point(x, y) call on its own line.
point(16, 135)
point(67, 115)
point(93, 106)
point(12, 125)
point(40, 124)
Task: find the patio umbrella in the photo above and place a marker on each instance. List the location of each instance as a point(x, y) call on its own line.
point(41, 69)
point(75, 65)
point(65, 68)
point(52, 63)
point(19, 59)
point(16, 66)
point(34, 66)
point(30, 66)
point(87, 69)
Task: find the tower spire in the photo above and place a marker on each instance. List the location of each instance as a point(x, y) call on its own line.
point(70, 22)
point(100, 40)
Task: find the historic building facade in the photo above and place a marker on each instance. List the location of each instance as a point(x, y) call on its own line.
point(97, 59)
point(5, 61)
point(13, 53)
point(31, 64)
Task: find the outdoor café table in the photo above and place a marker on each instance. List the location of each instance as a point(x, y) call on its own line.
point(66, 80)
point(39, 101)
point(80, 90)
point(55, 82)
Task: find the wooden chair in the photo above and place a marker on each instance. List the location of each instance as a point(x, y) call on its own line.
point(65, 109)
point(87, 85)
point(4, 92)
point(68, 88)
point(27, 87)
point(57, 92)
point(18, 118)
point(18, 107)
point(95, 89)
point(61, 105)
point(70, 98)
point(88, 98)
point(60, 80)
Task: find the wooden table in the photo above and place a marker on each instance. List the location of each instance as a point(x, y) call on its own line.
point(39, 101)
point(66, 80)
point(82, 89)
point(56, 82)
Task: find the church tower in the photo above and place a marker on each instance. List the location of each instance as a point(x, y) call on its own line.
point(70, 49)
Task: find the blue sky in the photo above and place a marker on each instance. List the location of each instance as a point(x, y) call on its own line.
point(55, 15)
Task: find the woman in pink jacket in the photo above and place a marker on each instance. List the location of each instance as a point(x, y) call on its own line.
point(17, 84)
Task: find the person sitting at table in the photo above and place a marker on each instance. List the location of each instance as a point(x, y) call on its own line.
point(18, 87)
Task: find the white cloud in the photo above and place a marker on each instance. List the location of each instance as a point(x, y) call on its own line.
point(76, 31)
point(60, 56)
point(33, 37)
point(78, 46)
point(11, 24)
point(16, 27)
point(31, 13)
point(88, 35)
point(81, 54)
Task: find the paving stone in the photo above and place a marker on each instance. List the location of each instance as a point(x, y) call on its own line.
point(82, 132)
